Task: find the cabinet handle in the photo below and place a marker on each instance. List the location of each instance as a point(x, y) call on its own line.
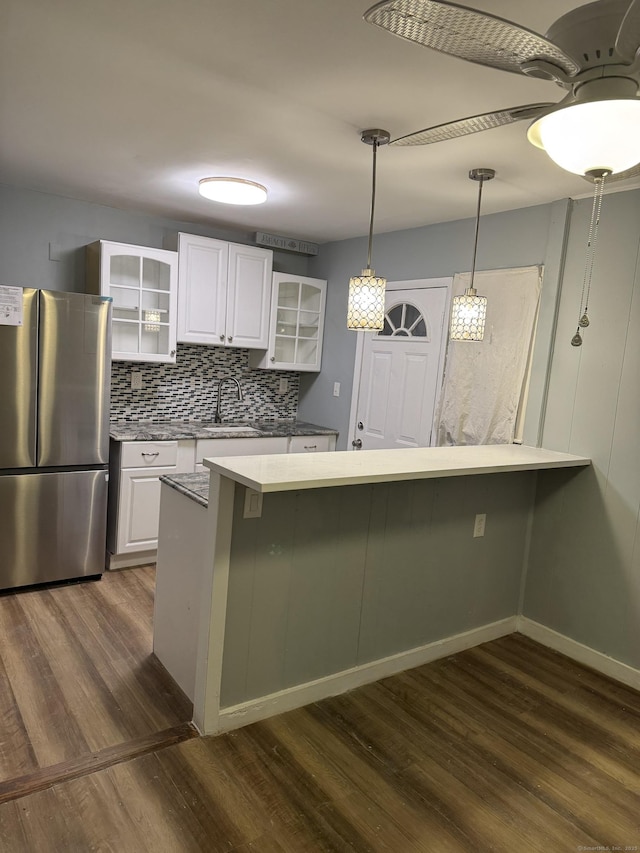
point(310, 446)
point(152, 455)
point(221, 337)
point(230, 338)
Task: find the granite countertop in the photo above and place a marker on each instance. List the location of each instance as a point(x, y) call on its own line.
point(194, 486)
point(172, 430)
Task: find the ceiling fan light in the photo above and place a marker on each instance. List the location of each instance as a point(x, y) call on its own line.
point(591, 136)
point(365, 309)
point(232, 191)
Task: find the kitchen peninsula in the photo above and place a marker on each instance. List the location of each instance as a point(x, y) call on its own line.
point(292, 578)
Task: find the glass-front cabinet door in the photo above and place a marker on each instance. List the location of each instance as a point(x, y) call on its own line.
point(297, 323)
point(143, 285)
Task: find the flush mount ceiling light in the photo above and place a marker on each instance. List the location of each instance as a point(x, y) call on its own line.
point(232, 190)
point(469, 311)
point(593, 52)
point(365, 310)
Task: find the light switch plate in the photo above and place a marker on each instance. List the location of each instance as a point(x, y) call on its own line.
point(252, 504)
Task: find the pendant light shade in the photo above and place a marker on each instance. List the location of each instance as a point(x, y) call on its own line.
point(366, 301)
point(468, 316)
point(469, 311)
point(365, 309)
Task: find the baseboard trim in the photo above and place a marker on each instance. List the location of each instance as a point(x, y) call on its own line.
point(127, 561)
point(577, 651)
point(253, 710)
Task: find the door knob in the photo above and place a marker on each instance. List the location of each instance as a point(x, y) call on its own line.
point(357, 444)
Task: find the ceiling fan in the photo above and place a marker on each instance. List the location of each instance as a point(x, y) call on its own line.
point(593, 52)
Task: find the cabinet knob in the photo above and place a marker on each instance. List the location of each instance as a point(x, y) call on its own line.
point(221, 337)
point(173, 352)
point(230, 338)
point(273, 358)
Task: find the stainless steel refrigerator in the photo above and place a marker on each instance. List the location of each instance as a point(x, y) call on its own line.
point(54, 437)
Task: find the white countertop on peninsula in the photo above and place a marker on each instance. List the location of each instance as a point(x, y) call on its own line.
point(279, 473)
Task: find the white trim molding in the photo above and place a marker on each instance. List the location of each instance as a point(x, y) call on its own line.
point(577, 651)
point(253, 710)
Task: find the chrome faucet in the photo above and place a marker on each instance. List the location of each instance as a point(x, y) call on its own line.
point(218, 418)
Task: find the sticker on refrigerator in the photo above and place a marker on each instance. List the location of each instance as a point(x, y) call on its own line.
point(10, 306)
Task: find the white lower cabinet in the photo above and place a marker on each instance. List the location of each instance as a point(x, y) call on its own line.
point(135, 468)
point(139, 508)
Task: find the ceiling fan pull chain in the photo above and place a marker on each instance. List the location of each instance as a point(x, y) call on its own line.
point(583, 315)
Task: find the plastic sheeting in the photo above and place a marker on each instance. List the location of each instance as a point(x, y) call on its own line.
point(483, 380)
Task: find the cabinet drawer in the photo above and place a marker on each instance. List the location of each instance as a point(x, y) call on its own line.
point(149, 454)
point(311, 443)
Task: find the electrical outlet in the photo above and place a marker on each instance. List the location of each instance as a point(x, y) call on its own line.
point(336, 389)
point(478, 527)
point(283, 387)
point(136, 380)
point(252, 504)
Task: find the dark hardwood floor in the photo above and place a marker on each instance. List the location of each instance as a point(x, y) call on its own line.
point(505, 747)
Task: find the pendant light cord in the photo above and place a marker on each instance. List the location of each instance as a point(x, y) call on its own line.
point(373, 202)
point(475, 240)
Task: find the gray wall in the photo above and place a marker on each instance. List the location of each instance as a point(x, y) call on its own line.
point(329, 579)
point(42, 238)
point(533, 235)
point(584, 571)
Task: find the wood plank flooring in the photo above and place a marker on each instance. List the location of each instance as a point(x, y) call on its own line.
point(76, 672)
point(506, 747)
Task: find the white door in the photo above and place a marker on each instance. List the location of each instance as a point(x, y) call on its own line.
point(401, 371)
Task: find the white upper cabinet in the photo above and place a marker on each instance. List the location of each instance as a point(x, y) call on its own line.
point(223, 292)
point(143, 285)
point(296, 324)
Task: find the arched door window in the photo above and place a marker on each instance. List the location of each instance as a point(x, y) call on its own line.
point(404, 320)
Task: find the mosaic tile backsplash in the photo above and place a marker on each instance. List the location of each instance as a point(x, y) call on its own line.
point(187, 390)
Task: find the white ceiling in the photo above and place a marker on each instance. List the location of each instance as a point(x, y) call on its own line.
point(130, 102)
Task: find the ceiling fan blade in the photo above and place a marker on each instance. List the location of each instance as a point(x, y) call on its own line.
point(628, 38)
point(471, 124)
point(467, 33)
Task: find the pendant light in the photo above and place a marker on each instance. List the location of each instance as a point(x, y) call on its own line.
point(365, 309)
point(469, 311)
